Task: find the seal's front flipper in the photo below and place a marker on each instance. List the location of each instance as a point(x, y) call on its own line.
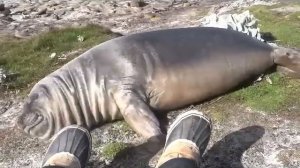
point(138, 115)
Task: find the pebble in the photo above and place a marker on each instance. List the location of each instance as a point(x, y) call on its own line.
point(42, 11)
point(59, 13)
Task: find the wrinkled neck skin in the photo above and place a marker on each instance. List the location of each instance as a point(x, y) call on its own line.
point(65, 100)
point(287, 61)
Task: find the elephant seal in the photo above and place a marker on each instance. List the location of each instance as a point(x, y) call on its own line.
point(136, 76)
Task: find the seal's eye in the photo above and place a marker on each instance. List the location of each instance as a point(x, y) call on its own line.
point(35, 96)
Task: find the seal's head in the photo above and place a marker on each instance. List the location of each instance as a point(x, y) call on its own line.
point(35, 119)
point(287, 61)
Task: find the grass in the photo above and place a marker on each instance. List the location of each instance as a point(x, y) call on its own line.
point(283, 93)
point(30, 58)
point(284, 26)
point(111, 150)
point(219, 114)
point(123, 127)
point(270, 98)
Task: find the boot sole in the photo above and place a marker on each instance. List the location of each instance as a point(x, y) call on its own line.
point(77, 127)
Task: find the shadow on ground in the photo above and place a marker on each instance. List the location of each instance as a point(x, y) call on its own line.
point(135, 156)
point(225, 153)
point(228, 151)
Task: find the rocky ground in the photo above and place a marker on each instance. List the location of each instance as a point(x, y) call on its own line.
point(23, 18)
point(241, 136)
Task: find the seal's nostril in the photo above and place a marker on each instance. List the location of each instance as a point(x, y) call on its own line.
point(19, 123)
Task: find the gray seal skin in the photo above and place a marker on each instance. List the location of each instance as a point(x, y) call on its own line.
point(133, 77)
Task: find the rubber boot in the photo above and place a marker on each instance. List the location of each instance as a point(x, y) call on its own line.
point(187, 137)
point(71, 147)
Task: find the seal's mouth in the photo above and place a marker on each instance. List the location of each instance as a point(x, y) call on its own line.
point(30, 121)
point(34, 123)
point(289, 72)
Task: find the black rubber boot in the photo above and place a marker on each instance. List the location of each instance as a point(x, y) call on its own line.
point(193, 126)
point(71, 141)
point(186, 141)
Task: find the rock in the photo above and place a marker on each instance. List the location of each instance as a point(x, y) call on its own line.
point(6, 12)
point(106, 9)
point(122, 11)
point(51, 4)
point(17, 10)
point(137, 3)
point(60, 13)
point(95, 8)
point(12, 26)
point(56, 17)
point(70, 8)
point(22, 34)
point(2, 7)
point(6, 19)
point(42, 11)
point(42, 1)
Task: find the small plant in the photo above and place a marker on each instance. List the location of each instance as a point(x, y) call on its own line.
point(111, 150)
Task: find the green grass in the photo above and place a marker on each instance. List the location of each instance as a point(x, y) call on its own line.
point(284, 26)
point(269, 98)
point(30, 58)
point(284, 92)
point(123, 127)
point(111, 150)
point(219, 114)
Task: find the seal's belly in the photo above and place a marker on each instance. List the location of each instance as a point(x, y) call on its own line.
point(183, 85)
point(183, 89)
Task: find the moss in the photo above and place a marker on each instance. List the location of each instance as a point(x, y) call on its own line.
point(111, 150)
point(30, 58)
point(123, 127)
point(219, 115)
